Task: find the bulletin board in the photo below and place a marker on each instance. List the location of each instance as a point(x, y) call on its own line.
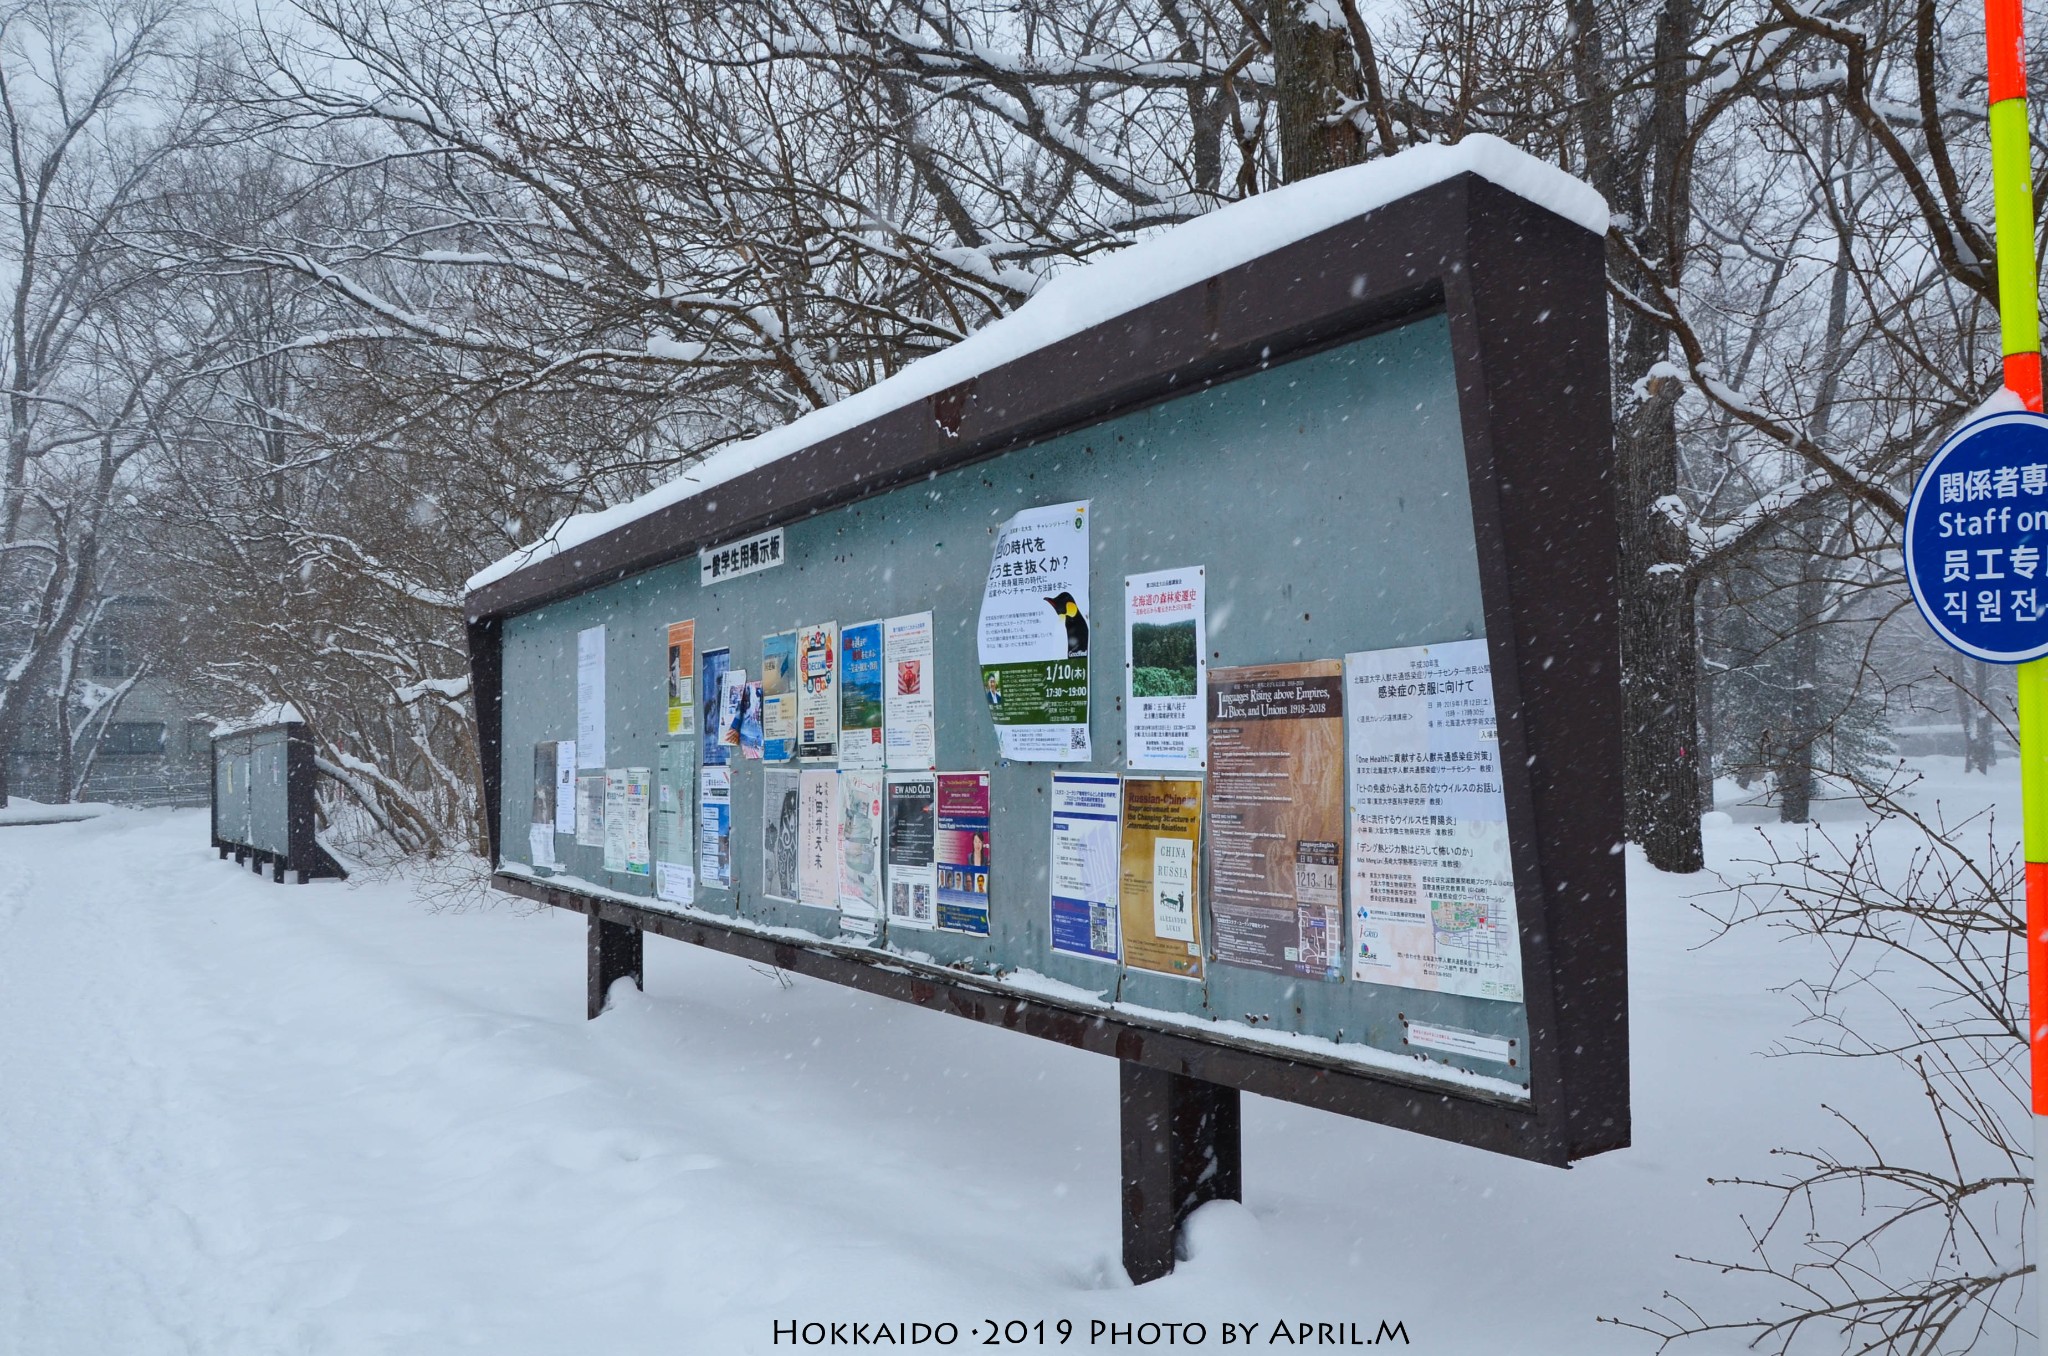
point(1384, 452)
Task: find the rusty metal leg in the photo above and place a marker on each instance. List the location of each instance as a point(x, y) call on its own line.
point(1182, 1146)
point(614, 954)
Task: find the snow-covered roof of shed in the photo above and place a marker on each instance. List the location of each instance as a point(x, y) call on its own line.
point(1083, 297)
point(262, 718)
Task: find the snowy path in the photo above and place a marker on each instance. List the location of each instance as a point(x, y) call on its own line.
point(241, 1117)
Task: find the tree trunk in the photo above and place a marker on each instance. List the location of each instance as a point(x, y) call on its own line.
point(64, 756)
point(1313, 75)
point(1810, 533)
point(1659, 637)
point(1705, 614)
point(1803, 732)
point(1987, 727)
point(1659, 642)
point(1979, 750)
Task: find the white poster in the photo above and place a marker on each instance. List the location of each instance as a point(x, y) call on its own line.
point(616, 825)
point(860, 851)
point(714, 827)
point(818, 838)
point(590, 811)
point(565, 786)
point(1173, 889)
point(590, 696)
point(908, 727)
point(1087, 817)
point(674, 882)
point(910, 839)
point(1033, 635)
point(540, 844)
point(675, 827)
point(1166, 671)
point(639, 791)
point(1432, 881)
point(781, 816)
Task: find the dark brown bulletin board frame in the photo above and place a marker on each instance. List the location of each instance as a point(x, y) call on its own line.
point(1523, 291)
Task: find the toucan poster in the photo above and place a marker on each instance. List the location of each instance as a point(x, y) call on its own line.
point(1033, 636)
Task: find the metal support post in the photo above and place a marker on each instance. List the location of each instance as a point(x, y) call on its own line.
point(614, 954)
point(1182, 1146)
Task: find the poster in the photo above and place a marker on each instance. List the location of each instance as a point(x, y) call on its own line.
point(639, 791)
point(590, 811)
point(675, 856)
point(711, 670)
point(860, 696)
point(778, 697)
point(860, 851)
point(1166, 671)
point(1033, 635)
point(1432, 881)
point(590, 696)
point(1276, 817)
point(817, 838)
point(565, 786)
point(909, 732)
point(1158, 887)
point(682, 667)
point(781, 813)
point(714, 827)
point(544, 807)
point(962, 852)
point(733, 697)
point(540, 844)
point(817, 692)
point(909, 837)
point(1087, 812)
point(750, 723)
point(615, 827)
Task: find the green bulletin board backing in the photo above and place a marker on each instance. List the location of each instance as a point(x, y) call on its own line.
point(1327, 499)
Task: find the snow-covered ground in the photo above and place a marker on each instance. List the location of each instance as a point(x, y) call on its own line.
point(245, 1117)
point(19, 811)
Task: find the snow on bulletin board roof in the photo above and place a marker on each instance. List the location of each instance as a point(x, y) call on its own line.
point(1098, 292)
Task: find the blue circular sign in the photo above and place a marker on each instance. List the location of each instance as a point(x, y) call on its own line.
point(1977, 539)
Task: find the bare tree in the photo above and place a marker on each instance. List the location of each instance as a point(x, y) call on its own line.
point(94, 100)
point(1908, 1236)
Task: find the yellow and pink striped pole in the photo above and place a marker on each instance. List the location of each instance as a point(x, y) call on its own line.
point(2019, 322)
